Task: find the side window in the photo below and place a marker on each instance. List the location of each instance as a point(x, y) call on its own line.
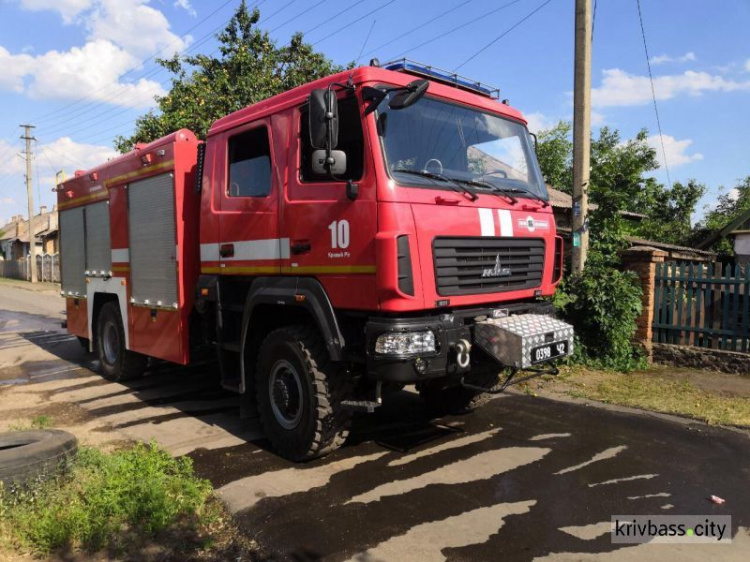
point(351, 141)
point(250, 164)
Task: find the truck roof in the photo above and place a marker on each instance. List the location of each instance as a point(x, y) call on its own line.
point(362, 74)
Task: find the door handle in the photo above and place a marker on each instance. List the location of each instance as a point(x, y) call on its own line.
point(300, 246)
point(226, 250)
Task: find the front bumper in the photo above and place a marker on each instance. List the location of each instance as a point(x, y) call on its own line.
point(452, 330)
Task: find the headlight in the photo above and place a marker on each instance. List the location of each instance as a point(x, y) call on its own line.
point(405, 343)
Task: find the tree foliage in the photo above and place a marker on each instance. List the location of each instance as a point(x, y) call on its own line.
point(249, 68)
point(729, 206)
point(621, 181)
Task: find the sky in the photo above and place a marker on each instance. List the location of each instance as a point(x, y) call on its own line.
point(81, 71)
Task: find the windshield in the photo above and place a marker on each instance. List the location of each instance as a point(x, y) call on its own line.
point(432, 142)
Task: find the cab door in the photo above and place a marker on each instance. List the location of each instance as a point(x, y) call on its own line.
point(332, 236)
point(248, 203)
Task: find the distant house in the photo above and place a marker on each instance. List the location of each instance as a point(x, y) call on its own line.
point(562, 208)
point(15, 239)
point(739, 231)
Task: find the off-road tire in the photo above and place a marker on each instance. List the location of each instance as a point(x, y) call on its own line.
point(126, 365)
point(25, 455)
point(458, 399)
point(324, 424)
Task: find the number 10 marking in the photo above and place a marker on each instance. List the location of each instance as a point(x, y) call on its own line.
point(339, 234)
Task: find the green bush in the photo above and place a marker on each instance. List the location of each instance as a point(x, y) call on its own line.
point(602, 304)
point(103, 501)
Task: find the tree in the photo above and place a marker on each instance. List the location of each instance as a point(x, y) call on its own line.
point(555, 153)
point(670, 213)
point(620, 181)
point(250, 67)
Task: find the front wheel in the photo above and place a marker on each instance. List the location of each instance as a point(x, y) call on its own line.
point(299, 392)
point(117, 363)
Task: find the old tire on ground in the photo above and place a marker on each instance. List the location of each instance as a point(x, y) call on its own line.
point(299, 392)
point(25, 455)
point(117, 363)
point(457, 399)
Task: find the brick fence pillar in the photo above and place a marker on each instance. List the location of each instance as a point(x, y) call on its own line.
point(642, 260)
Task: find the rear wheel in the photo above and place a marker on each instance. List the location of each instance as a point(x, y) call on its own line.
point(299, 392)
point(117, 363)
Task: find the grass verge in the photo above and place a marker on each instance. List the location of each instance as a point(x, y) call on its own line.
point(658, 390)
point(138, 503)
point(37, 422)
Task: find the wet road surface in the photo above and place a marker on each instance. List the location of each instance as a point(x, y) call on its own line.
point(523, 478)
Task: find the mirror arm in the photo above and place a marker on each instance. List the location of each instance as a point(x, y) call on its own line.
point(350, 87)
point(536, 142)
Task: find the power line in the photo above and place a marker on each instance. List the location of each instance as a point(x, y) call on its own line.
point(158, 70)
point(593, 21)
point(122, 87)
point(653, 93)
point(46, 116)
point(58, 127)
point(77, 130)
point(367, 38)
point(453, 30)
point(504, 33)
point(333, 17)
point(418, 27)
point(353, 22)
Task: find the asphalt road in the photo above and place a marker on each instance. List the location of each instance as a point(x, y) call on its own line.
point(523, 478)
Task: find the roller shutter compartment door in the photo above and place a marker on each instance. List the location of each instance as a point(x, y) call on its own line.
point(98, 247)
point(73, 252)
point(153, 253)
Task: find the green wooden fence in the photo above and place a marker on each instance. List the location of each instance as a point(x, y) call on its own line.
point(704, 305)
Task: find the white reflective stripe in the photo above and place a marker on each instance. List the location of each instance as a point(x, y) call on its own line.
point(249, 250)
point(506, 222)
point(209, 252)
point(121, 255)
point(486, 222)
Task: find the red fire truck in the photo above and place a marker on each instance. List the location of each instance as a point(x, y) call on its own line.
point(381, 227)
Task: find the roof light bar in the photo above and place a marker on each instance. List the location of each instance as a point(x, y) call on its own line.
point(446, 77)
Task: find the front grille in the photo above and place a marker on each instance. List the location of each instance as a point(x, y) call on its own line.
point(508, 264)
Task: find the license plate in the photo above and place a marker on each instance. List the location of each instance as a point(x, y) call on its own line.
point(549, 351)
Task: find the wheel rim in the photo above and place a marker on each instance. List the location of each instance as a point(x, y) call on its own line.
point(285, 394)
point(111, 343)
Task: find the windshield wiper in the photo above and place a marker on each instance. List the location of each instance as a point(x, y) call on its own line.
point(525, 192)
point(441, 177)
point(493, 188)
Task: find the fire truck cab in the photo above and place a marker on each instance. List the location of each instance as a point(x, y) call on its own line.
point(380, 227)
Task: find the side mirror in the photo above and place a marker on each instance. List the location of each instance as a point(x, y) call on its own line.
point(337, 165)
point(323, 115)
point(409, 95)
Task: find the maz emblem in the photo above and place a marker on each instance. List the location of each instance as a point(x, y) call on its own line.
point(497, 270)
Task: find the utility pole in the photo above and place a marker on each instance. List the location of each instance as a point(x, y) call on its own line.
point(30, 194)
point(581, 134)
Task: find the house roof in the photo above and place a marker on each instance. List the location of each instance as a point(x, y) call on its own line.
point(672, 248)
point(739, 224)
point(561, 200)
